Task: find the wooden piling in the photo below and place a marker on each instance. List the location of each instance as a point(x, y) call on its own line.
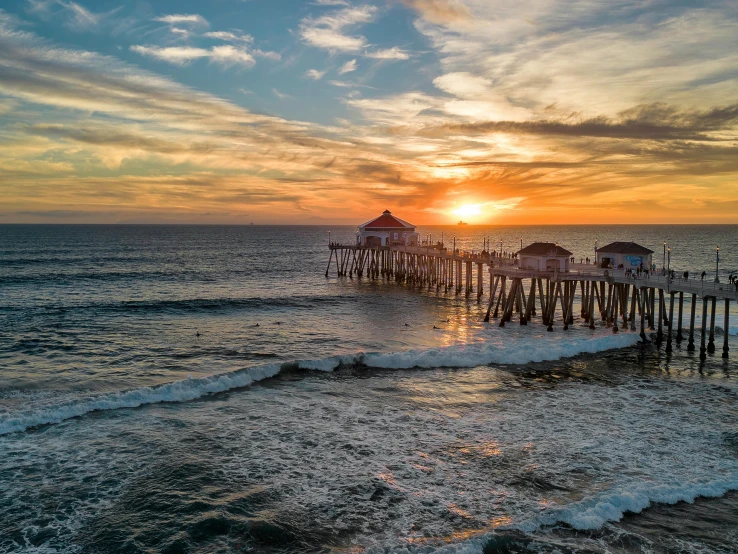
point(726, 328)
point(703, 350)
point(669, 325)
point(690, 344)
point(711, 342)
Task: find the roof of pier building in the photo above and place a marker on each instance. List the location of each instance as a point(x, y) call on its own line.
point(544, 249)
point(624, 248)
point(387, 221)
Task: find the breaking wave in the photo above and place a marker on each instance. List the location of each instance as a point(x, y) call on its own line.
point(512, 352)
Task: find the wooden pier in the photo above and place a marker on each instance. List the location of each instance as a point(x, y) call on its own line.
point(418, 265)
point(620, 300)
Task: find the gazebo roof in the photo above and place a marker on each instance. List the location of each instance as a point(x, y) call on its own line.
point(544, 249)
point(387, 221)
point(624, 248)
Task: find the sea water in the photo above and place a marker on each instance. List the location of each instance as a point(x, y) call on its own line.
point(207, 389)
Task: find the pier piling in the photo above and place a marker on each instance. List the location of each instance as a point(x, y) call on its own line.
point(726, 328)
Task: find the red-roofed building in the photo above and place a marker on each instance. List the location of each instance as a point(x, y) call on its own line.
point(387, 230)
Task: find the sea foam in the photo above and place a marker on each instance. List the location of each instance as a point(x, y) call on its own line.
point(515, 351)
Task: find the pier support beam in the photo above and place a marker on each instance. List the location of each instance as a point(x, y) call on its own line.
point(703, 350)
point(690, 344)
point(679, 337)
point(669, 325)
point(642, 299)
point(726, 328)
point(660, 332)
point(711, 342)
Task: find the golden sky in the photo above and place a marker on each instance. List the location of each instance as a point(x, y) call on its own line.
point(539, 111)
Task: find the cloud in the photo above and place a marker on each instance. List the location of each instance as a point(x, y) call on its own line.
point(464, 85)
point(182, 55)
point(186, 19)
point(393, 53)
point(314, 74)
point(347, 67)
point(269, 55)
point(327, 31)
point(440, 11)
point(228, 36)
point(281, 95)
point(557, 119)
point(646, 122)
point(82, 16)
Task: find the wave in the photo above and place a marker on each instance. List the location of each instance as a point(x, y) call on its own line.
point(179, 391)
point(190, 304)
point(592, 514)
point(512, 352)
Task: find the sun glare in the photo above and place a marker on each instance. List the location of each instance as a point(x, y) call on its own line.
point(468, 210)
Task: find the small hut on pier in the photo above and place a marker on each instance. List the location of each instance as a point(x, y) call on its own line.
point(544, 256)
point(629, 254)
point(387, 230)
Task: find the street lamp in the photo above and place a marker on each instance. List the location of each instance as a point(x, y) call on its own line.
point(664, 264)
point(595, 258)
point(521, 243)
point(668, 262)
point(500, 247)
point(717, 263)
point(329, 238)
point(454, 244)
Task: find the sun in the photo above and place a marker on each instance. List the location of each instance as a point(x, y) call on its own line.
point(468, 210)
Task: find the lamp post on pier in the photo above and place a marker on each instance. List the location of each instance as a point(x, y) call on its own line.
point(454, 244)
point(717, 263)
point(500, 247)
point(329, 238)
point(664, 264)
point(595, 258)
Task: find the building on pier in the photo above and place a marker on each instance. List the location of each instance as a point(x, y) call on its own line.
point(627, 254)
point(387, 230)
point(544, 256)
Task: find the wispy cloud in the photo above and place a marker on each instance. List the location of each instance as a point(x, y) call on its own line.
point(180, 19)
point(327, 31)
point(440, 11)
point(314, 74)
point(347, 67)
point(82, 16)
point(281, 95)
point(228, 36)
point(182, 55)
point(393, 53)
point(267, 54)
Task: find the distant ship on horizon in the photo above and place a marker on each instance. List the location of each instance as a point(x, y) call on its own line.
point(462, 223)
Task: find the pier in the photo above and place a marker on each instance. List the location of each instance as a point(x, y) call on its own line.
point(415, 265)
point(621, 288)
point(619, 299)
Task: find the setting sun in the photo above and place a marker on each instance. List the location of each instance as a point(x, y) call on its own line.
point(468, 210)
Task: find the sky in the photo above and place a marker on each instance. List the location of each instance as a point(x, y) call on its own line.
point(330, 111)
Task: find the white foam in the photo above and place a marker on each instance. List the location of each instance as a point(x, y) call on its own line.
point(517, 349)
point(612, 506)
point(592, 514)
point(529, 349)
point(188, 389)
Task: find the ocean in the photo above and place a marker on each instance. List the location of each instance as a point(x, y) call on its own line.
point(200, 389)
